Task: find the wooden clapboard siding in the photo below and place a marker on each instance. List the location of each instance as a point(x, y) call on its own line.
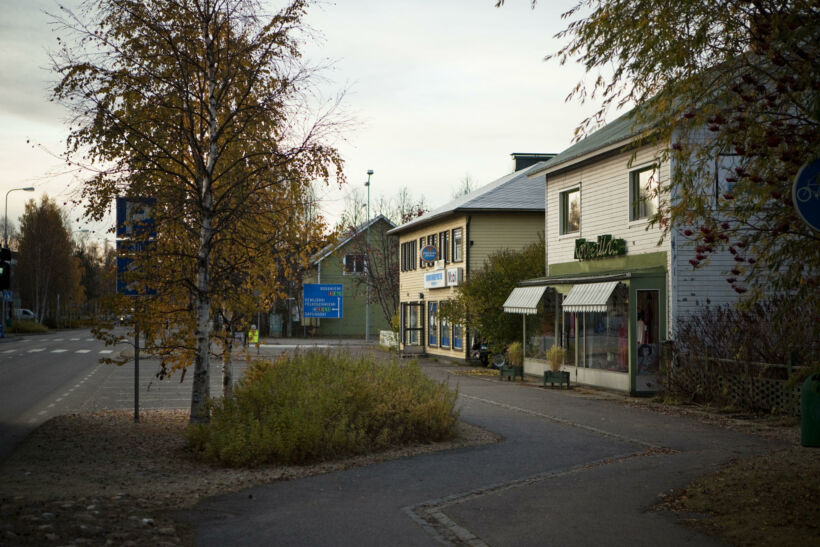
point(493, 232)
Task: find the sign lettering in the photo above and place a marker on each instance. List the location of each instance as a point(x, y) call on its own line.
point(604, 247)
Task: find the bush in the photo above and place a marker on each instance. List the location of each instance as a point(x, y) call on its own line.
point(516, 354)
point(317, 406)
point(27, 327)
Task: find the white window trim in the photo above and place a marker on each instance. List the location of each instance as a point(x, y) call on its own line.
point(570, 235)
point(634, 169)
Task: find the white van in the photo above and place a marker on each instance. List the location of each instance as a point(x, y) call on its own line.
point(22, 314)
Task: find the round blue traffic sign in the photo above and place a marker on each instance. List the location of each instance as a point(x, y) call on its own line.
point(806, 193)
point(429, 253)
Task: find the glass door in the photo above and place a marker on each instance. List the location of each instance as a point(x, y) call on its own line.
point(647, 336)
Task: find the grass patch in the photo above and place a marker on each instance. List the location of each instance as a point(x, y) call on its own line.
point(767, 500)
point(27, 327)
point(317, 406)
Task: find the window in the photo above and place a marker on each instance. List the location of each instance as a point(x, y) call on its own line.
point(726, 177)
point(570, 216)
point(444, 336)
point(457, 245)
point(408, 256)
point(431, 240)
point(458, 340)
point(444, 246)
point(354, 263)
point(422, 263)
point(643, 193)
point(432, 326)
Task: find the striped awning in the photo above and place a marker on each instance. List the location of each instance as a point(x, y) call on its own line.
point(524, 300)
point(589, 297)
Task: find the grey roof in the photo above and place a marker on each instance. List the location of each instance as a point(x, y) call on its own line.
point(351, 234)
point(619, 130)
point(515, 192)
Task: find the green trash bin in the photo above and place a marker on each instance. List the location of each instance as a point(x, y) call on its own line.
point(810, 411)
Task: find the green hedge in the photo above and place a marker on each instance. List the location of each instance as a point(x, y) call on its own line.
point(318, 406)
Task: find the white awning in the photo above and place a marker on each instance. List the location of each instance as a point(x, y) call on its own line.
point(589, 297)
point(524, 300)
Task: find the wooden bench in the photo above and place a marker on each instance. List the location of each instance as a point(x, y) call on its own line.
point(559, 377)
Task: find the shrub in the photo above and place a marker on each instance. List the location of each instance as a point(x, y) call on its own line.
point(27, 327)
point(555, 356)
point(516, 354)
point(317, 406)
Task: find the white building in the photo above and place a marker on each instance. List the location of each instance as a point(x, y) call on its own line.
point(613, 292)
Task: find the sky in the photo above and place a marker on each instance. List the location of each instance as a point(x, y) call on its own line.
point(435, 91)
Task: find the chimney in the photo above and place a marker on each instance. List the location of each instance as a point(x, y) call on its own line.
point(525, 159)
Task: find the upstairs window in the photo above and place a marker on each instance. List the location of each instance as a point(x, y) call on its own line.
point(444, 246)
point(570, 213)
point(457, 245)
point(643, 193)
point(422, 263)
point(354, 263)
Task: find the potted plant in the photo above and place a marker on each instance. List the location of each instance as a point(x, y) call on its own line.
point(556, 356)
point(515, 362)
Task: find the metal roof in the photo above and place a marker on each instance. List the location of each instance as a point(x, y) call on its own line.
point(618, 131)
point(352, 233)
point(515, 192)
point(524, 300)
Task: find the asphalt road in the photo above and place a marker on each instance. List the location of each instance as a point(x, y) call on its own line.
point(571, 470)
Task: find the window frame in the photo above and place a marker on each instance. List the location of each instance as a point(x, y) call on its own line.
point(638, 207)
point(345, 268)
point(432, 324)
point(460, 246)
point(444, 244)
point(563, 210)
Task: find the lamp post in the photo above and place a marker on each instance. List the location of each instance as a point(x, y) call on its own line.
point(366, 264)
point(6, 245)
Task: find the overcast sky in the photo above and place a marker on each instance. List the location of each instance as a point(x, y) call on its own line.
point(437, 90)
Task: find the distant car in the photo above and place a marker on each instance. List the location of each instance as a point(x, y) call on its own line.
point(22, 314)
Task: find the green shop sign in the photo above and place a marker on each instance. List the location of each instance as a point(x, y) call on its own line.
point(606, 246)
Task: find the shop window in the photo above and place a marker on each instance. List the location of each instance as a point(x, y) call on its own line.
point(570, 214)
point(643, 192)
point(444, 333)
point(432, 324)
point(457, 245)
point(599, 339)
point(444, 246)
point(458, 337)
point(354, 263)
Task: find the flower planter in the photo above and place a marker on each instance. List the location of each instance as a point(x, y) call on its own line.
point(510, 373)
point(556, 377)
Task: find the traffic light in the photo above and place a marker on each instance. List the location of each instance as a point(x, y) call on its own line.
point(5, 268)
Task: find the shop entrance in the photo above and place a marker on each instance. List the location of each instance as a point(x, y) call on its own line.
point(412, 323)
point(647, 337)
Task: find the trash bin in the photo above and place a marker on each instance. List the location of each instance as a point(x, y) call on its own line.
point(810, 411)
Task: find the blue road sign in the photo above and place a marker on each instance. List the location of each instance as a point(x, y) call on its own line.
point(135, 218)
point(806, 193)
point(126, 265)
point(323, 301)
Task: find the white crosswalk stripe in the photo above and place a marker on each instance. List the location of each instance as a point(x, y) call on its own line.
point(59, 350)
point(82, 351)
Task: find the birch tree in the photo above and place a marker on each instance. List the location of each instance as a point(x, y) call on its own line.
point(204, 106)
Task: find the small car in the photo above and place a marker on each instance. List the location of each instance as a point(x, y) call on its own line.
point(23, 314)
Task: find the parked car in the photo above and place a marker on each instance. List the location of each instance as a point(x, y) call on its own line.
point(23, 314)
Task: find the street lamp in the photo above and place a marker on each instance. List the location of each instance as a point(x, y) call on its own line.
point(366, 265)
point(6, 213)
point(6, 245)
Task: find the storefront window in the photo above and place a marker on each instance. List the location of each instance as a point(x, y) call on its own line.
point(432, 327)
point(599, 339)
point(458, 337)
point(444, 336)
point(541, 327)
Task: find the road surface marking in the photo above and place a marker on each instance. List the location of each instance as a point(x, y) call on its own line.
point(41, 412)
point(75, 339)
point(82, 351)
point(105, 351)
point(59, 350)
point(35, 350)
point(58, 399)
point(90, 339)
point(57, 340)
point(10, 351)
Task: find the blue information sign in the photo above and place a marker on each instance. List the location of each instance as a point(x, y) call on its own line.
point(429, 253)
point(323, 301)
point(135, 218)
point(125, 264)
point(806, 193)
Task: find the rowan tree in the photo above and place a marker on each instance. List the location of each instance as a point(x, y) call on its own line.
point(202, 105)
point(729, 89)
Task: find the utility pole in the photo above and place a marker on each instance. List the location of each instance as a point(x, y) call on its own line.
point(367, 264)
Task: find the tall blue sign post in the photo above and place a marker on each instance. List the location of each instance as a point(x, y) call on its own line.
point(135, 232)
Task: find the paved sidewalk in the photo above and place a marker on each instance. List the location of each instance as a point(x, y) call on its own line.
point(572, 470)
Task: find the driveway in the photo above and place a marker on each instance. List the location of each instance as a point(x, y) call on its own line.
point(571, 470)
